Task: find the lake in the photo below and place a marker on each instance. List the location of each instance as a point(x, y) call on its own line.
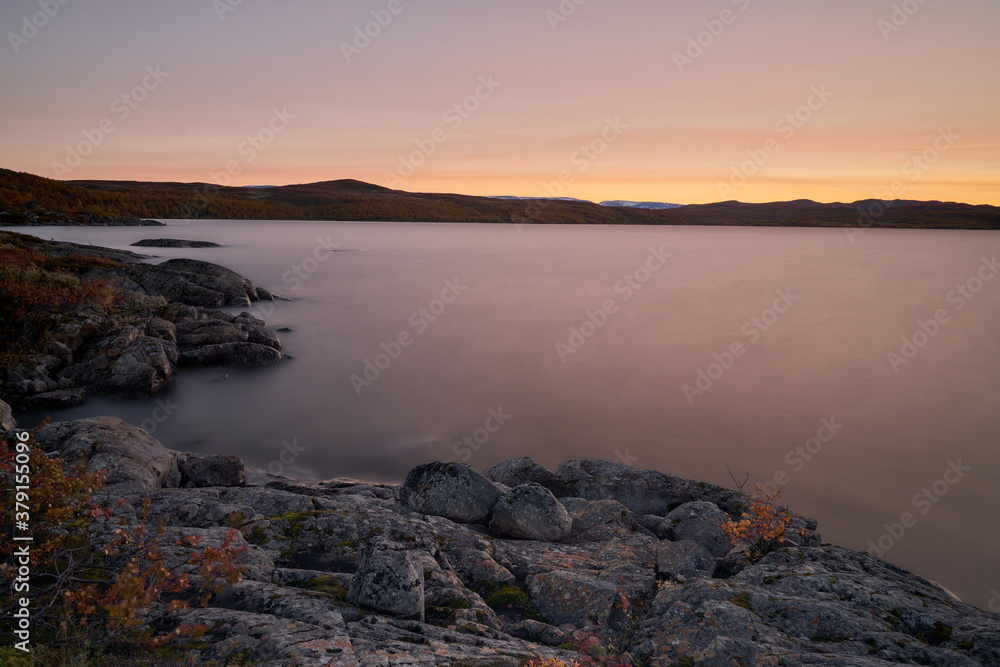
point(862, 379)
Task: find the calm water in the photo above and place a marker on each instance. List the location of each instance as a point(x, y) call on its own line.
point(491, 342)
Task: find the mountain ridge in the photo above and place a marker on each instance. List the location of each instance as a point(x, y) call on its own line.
point(354, 200)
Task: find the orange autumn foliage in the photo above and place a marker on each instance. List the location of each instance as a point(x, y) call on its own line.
point(761, 526)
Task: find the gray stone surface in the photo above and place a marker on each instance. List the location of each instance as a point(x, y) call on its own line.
point(211, 470)
point(159, 323)
point(642, 491)
point(452, 490)
point(341, 573)
point(131, 457)
point(389, 580)
point(530, 512)
point(683, 560)
point(700, 522)
point(513, 472)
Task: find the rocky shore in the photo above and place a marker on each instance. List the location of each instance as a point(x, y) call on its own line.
point(517, 562)
point(166, 320)
point(34, 217)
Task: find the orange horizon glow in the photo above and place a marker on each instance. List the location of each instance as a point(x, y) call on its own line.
point(689, 104)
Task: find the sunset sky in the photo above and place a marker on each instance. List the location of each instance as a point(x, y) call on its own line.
point(681, 101)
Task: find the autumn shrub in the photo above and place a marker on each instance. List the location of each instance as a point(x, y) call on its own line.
point(35, 286)
point(95, 580)
point(761, 526)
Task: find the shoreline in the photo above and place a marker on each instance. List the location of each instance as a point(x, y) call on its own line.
point(456, 566)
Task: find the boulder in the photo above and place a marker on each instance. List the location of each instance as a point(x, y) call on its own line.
point(54, 400)
point(642, 491)
point(389, 580)
point(236, 290)
point(530, 512)
point(452, 490)
point(700, 522)
point(211, 470)
point(132, 458)
point(513, 472)
point(683, 560)
point(186, 281)
point(143, 368)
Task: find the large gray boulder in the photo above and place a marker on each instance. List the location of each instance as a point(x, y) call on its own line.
point(234, 288)
point(452, 490)
point(132, 458)
point(390, 580)
point(211, 470)
point(642, 491)
point(530, 512)
point(513, 472)
point(700, 522)
point(143, 368)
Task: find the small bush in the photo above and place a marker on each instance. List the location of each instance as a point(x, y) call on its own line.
point(96, 583)
point(761, 527)
point(34, 287)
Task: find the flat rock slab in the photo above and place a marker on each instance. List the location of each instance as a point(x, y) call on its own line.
point(174, 243)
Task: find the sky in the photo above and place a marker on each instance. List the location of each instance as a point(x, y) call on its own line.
point(685, 101)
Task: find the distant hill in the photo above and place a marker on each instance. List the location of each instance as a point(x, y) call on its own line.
point(639, 204)
point(348, 199)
